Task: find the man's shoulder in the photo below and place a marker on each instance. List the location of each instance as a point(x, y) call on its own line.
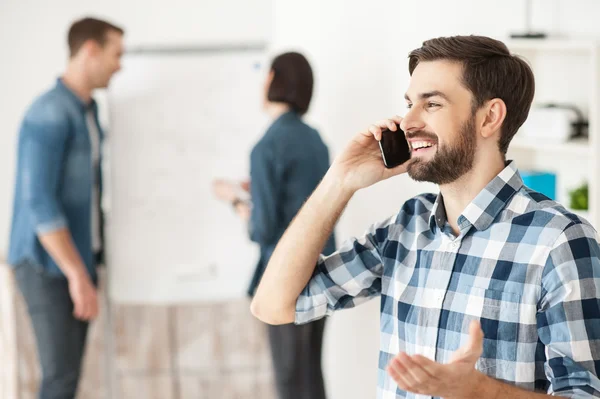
point(530, 208)
point(50, 107)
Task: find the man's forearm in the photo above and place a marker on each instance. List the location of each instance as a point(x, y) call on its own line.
point(493, 389)
point(60, 246)
point(293, 261)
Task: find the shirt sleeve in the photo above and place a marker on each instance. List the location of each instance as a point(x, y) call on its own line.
point(348, 277)
point(263, 190)
point(41, 150)
point(568, 319)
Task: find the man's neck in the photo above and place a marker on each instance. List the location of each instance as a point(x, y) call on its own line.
point(76, 81)
point(459, 194)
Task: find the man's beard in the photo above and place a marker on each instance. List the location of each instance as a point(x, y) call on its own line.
point(449, 163)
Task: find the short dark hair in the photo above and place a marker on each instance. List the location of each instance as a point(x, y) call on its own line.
point(292, 81)
point(489, 71)
point(89, 29)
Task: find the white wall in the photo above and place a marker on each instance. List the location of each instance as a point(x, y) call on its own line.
point(358, 50)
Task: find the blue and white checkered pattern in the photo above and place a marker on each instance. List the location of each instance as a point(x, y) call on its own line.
point(522, 265)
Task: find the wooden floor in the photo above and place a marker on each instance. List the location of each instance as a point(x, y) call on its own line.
point(164, 352)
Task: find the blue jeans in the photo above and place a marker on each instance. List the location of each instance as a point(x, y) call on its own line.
point(60, 337)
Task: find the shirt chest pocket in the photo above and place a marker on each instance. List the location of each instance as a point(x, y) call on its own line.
point(499, 314)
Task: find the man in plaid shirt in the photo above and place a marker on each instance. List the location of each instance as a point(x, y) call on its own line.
point(488, 289)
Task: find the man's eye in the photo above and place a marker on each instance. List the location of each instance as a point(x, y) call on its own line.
point(432, 105)
point(409, 106)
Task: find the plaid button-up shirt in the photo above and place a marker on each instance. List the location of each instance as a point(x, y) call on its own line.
point(522, 265)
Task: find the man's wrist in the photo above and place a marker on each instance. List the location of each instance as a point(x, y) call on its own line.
point(482, 386)
point(76, 272)
point(335, 182)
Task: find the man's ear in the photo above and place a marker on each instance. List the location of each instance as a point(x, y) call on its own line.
point(494, 115)
point(91, 47)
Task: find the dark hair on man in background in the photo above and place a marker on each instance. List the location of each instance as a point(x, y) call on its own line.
point(89, 29)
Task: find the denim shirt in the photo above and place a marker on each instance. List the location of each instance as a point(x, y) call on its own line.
point(286, 166)
point(54, 178)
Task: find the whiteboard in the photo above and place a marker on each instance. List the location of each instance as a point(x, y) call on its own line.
point(177, 121)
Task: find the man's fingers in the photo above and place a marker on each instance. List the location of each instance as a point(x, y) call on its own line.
point(85, 304)
point(83, 310)
point(245, 185)
point(429, 366)
point(377, 128)
point(406, 374)
point(77, 309)
point(387, 124)
point(475, 344)
point(475, 335)
point(473, 348)
point(415, 370)
point(391, 125)
point(375, 131)
point(400, 374)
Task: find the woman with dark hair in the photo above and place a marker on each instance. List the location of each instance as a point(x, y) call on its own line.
point(286, 165)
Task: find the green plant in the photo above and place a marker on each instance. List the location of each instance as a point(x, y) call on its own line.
point(579, 197)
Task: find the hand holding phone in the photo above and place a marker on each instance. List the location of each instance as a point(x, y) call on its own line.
point(394, 147)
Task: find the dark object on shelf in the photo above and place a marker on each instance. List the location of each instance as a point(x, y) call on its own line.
point(528, 34)
point(555, 122)
point(580, 126)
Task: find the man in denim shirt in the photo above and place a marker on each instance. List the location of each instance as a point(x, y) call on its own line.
point(56, 239)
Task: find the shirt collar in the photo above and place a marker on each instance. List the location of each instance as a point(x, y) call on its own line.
point(60, 85)
point(482, 211)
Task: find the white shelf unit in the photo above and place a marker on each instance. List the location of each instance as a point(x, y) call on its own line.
point(566, 71)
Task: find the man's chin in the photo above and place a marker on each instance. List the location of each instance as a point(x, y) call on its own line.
point(417, 173)
point(104, 84)
point(422, 171)
point(420, 177)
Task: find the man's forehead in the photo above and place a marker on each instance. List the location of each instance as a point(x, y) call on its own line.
point(436, 76)
point(114, 37)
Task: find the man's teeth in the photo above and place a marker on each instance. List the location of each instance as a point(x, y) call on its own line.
point(421, 144)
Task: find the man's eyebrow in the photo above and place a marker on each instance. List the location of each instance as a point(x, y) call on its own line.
point(429, 94)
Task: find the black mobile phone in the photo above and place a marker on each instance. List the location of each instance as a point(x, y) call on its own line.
point(394, 147)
